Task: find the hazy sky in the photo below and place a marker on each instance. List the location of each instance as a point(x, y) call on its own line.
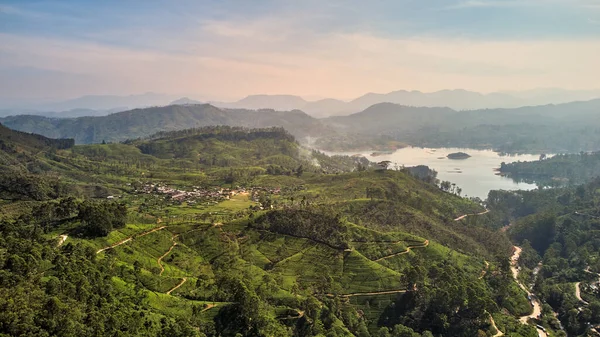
point(338, 48)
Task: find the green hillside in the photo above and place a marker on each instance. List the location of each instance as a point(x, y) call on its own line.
point(227, 231)
point(145, 122)
point(22, 172)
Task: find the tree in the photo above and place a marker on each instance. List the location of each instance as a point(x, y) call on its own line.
point(403, 331)
point(383, 332)
point(99, 218)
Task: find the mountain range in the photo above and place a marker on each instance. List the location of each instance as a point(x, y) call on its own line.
point(90, 105)
point(560, 128)
point(454, 99)
point(568, 127)
point(101, 105)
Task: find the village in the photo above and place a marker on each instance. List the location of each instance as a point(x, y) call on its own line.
point(214, 194)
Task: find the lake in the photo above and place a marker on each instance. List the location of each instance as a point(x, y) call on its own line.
point(475, 175)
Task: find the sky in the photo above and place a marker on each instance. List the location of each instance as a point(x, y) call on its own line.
point(227, 49)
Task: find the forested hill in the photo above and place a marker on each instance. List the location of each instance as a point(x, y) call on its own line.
point(23, 165)
point(222, 152)
point(144, 122)
point(562, 169)
point(569, 127)
point(17, 139)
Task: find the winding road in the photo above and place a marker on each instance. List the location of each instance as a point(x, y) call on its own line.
point(537, 306)
point(498, 332)
point(408, 249)
point(578, 293)
point(130, 238)
point(162, 269)
point(466, 215)
point(177, 286)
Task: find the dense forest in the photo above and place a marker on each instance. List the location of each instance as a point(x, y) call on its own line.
point(558, 170)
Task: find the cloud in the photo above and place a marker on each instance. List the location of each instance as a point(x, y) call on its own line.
point(303, 51)
point(230, 60)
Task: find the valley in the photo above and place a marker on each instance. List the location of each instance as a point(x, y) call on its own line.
point(193, 242)
point(227, 229)
point(390, 168)
point(308, 237)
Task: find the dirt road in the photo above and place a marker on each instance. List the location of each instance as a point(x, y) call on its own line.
point(578, 293)
point(484, 271)
point(408, 249)
point(130, 238)
point(62, 240)
point(498, 333)
point(177, 286)
point(466, 215)
point(162, 269)
point(537, 306)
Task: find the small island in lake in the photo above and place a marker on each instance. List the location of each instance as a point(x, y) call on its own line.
point(381, 153)
point(458, 155)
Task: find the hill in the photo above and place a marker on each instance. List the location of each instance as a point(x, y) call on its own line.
point(185, 100)
point(569, 127)
point(144, 122)
point(222, 152)
point(21, 170)
point(18, 139)
point(558, 170)
point(176, 250)
point(275, 102)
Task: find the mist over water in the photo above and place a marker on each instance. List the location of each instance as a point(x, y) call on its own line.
point(474, 175)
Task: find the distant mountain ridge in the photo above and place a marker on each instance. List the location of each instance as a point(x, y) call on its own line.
point(90, 105)
point(560, 128)
point(107, 102)
point(100, 105)
point(455, 99)
point(184, 101)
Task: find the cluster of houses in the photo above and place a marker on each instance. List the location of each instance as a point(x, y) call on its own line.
point(214, 194)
